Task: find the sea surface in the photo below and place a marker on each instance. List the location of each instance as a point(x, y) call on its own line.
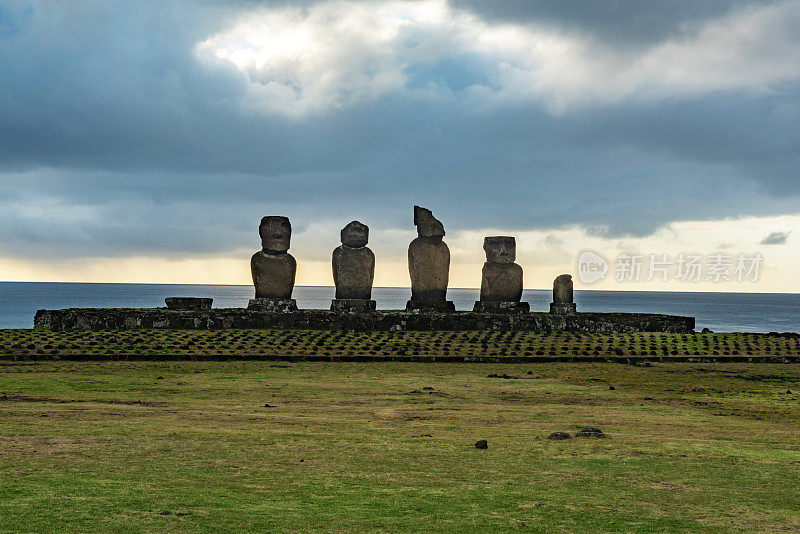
point(721, 312)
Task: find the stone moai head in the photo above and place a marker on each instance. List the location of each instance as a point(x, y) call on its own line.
point(355, 235)
point(500, 249)
point(427, 225)
point(562, 289)
point(276, 233)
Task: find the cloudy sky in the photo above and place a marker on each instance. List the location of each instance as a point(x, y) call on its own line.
point(143, 141)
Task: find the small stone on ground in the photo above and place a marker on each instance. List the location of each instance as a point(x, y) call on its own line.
point(590, 432)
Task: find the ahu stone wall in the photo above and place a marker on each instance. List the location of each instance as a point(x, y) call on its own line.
point(218, 318)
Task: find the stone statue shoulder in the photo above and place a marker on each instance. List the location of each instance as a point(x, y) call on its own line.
point(280, 256)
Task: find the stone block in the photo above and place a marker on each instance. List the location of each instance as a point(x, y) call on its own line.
point(352, 305)
point(501, 307)
point(188, 303)
point(441, 306)
point(563, 308)
point(272, 305)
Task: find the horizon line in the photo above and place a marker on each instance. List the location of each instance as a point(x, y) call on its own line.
point(407, 287)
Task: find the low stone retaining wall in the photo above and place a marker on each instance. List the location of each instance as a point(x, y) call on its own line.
point(218, 318)
point(626, 360)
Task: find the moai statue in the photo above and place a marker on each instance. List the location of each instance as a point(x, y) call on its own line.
point(273, 267)
point(562, 296)
point(353, 270)
point(501, 283)
point(429, 265)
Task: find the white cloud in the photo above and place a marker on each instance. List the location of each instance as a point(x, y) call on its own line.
point(751, 48)
point(342, 54)
point(333, 55)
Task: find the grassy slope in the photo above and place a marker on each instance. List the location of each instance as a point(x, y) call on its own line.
point(183, 446)
point(319, 343)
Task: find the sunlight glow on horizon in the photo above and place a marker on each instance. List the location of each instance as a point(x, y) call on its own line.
point(542, 254)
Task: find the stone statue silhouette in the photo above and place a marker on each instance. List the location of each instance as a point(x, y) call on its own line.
point(501, 280)
point(428, 264)
point(353, 270)
point(272, 267)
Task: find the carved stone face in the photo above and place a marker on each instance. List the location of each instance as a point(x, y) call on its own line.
point(427, 225)
point(276, 233)
point(500, 249)
point(355, 235)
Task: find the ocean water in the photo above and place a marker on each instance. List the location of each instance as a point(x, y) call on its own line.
point(721, 312)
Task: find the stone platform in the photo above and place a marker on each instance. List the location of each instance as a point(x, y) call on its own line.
point(272, 305)
point(218, 318)
point(352, 305)
point(430, 306)
point(501, 307)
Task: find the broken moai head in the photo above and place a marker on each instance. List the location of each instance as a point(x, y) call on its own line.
point(427, 225)
point(562, 289)
point(355, 235)
point(276, 233)
point(500, 249)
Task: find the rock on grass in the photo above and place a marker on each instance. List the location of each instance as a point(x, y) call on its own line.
point(590, 432)
point(481, 444)
point(559, 435)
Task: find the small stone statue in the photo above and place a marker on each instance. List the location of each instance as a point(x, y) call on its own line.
point(273, 267)
point(501, 283)
point(353, 270)
point(428, 264)
point(562, 296)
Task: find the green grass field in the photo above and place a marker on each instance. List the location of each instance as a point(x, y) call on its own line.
point(144, 446)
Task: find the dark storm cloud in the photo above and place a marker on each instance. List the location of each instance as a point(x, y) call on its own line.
point(115, 139)
point(621, 22)
point(775, 238)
